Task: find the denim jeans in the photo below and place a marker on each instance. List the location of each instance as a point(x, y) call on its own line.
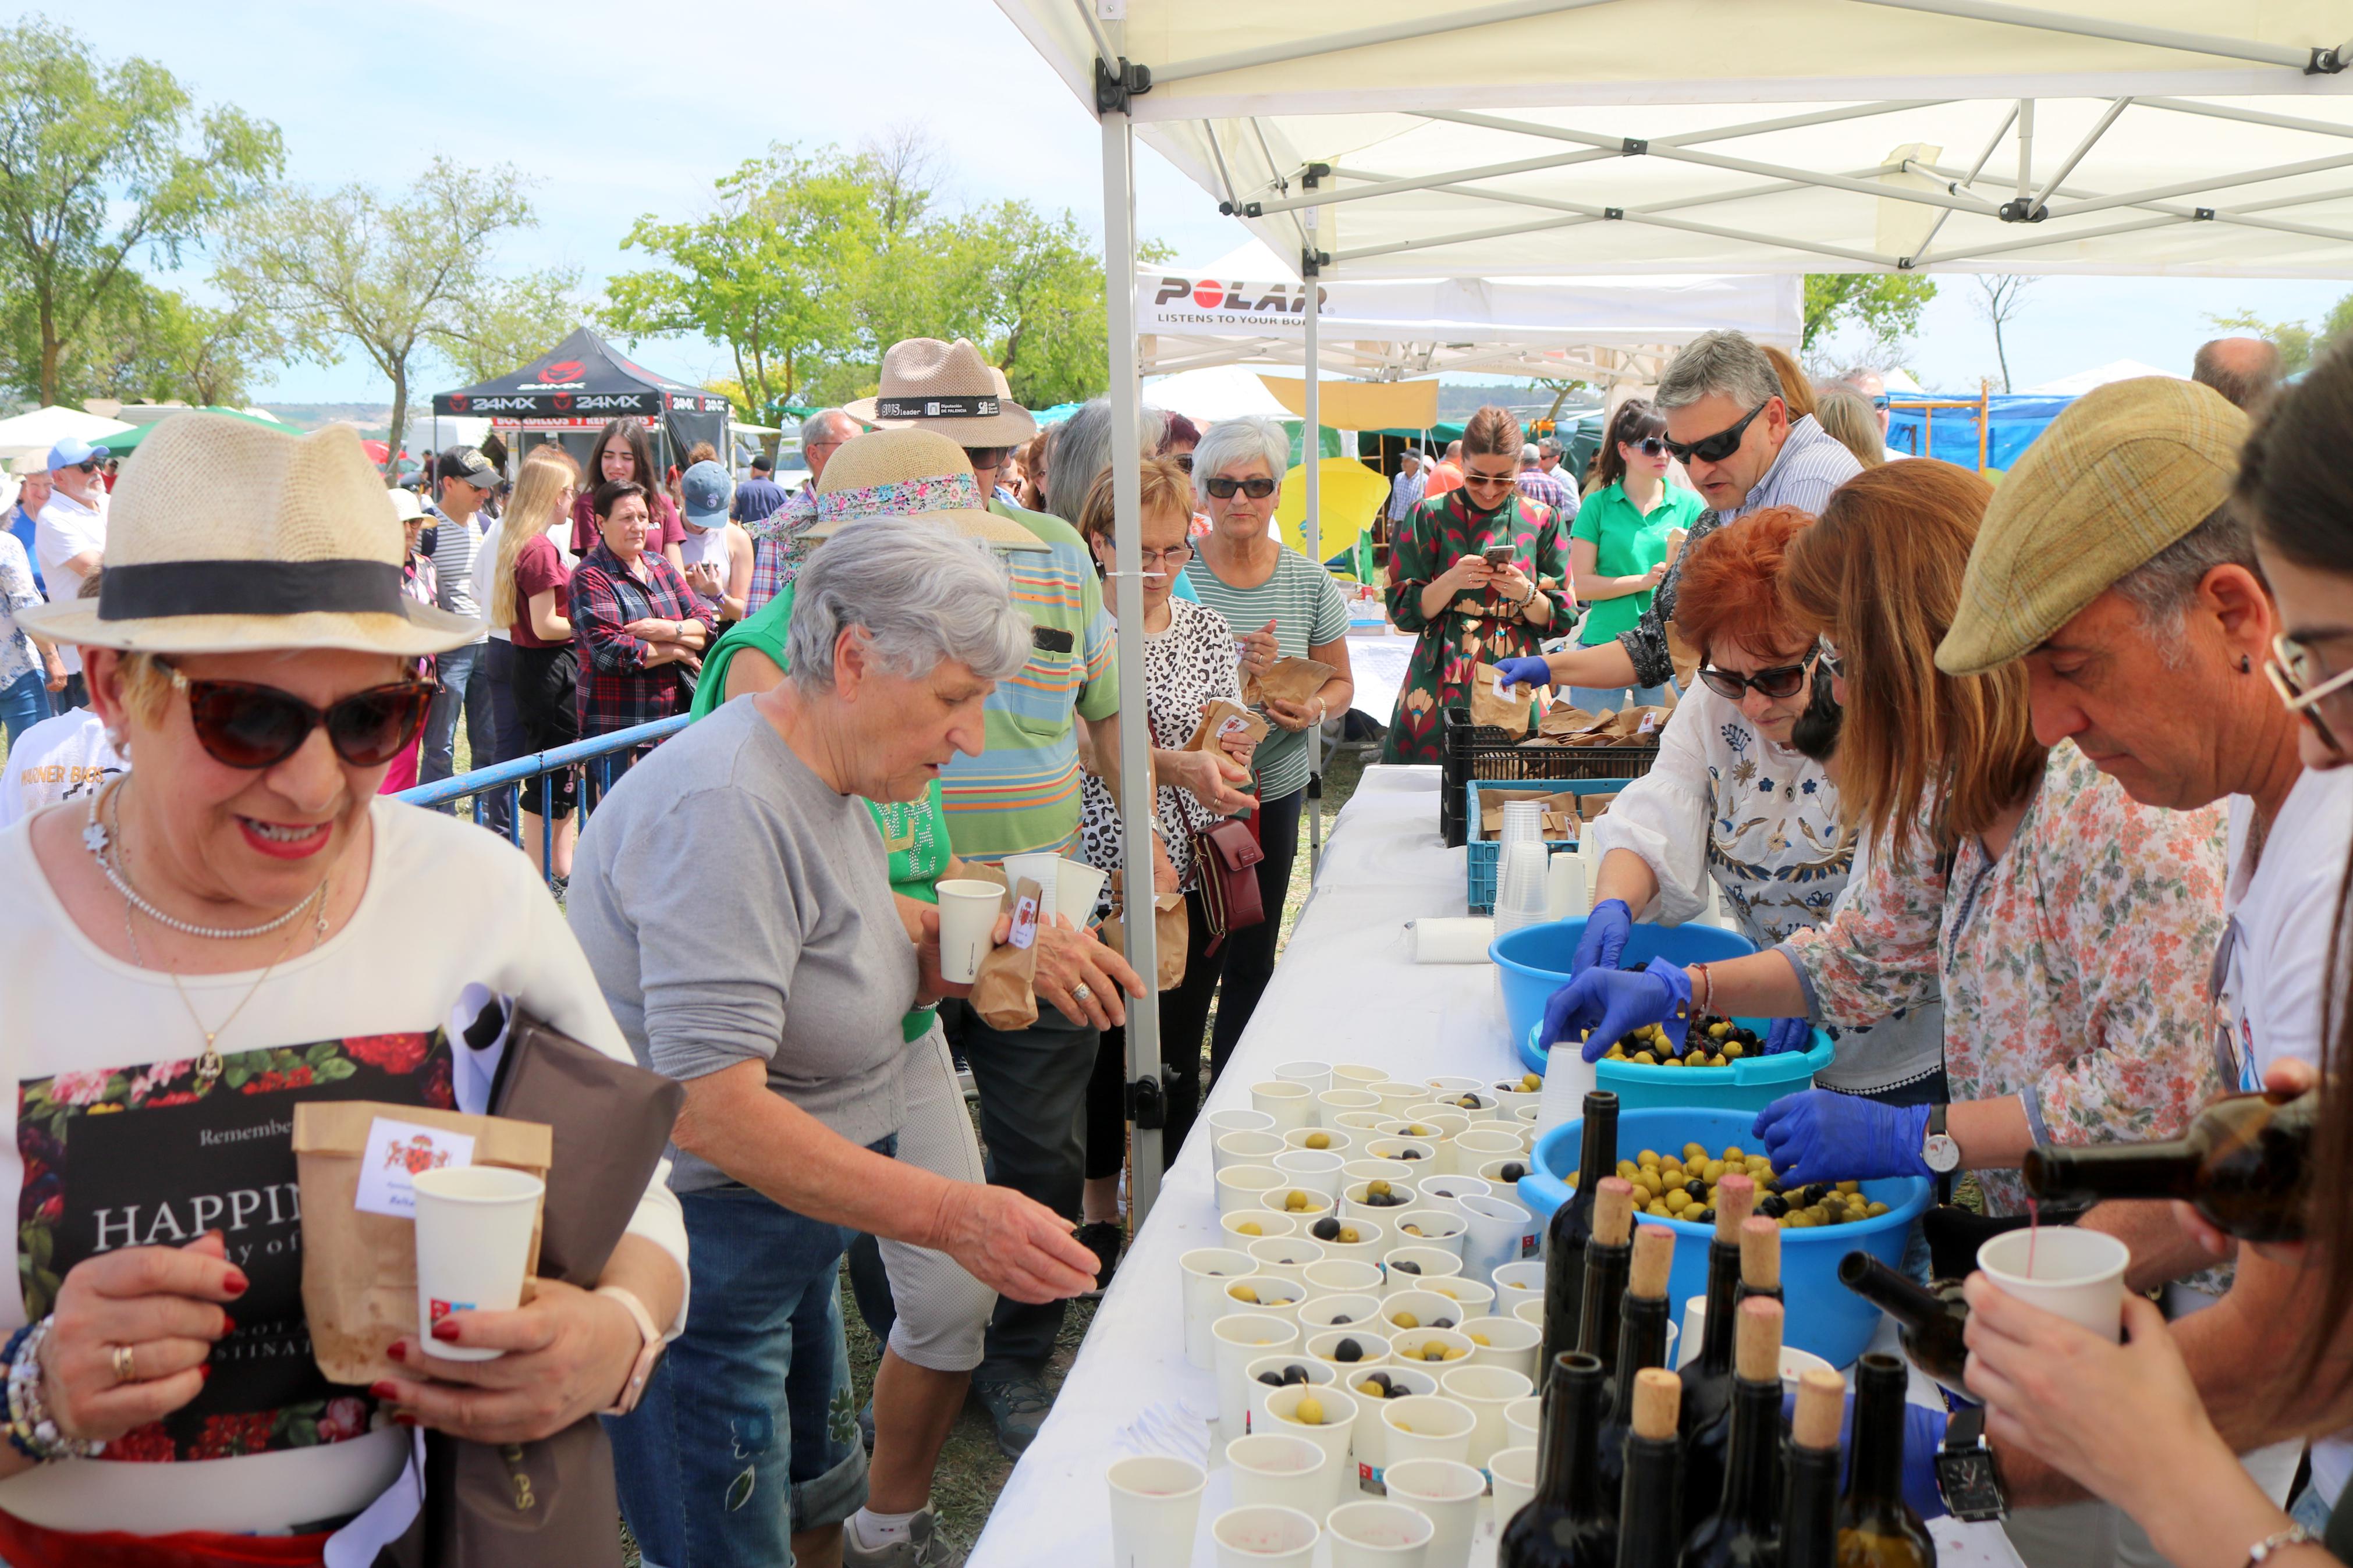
point(748, 1431)
point(24, 702)
point(465, 686)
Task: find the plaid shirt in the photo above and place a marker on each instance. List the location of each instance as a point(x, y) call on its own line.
point(616, 690)
point(778, 548)
point(1548, 490)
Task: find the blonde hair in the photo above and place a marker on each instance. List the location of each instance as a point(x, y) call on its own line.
point(1855, 424)
point(1166, 487)
point(1797, 392)
point(537, 506)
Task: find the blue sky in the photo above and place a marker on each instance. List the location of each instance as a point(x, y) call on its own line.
point(619, 111)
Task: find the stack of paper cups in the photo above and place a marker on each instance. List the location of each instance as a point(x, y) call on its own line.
point(1565, 895)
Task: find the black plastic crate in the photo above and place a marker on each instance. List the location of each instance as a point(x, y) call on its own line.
point(1481, 751)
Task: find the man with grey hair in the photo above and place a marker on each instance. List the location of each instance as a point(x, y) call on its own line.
point(1083, 454)
point(1540, 485)
point(1405, 490)
point(2243, 370)
point(778, 546)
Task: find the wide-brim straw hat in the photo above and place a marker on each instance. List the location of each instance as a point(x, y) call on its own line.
point(910, 473)
point(945, 387)
point(225, 536)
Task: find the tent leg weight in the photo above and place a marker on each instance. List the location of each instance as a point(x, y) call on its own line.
point(1147, 1103)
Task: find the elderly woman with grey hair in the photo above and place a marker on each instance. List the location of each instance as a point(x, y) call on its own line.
point(733, 896)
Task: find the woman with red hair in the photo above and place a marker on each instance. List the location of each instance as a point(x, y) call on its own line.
point(1731, 798)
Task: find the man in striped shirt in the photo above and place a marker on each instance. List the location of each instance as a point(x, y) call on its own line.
point(465, 478)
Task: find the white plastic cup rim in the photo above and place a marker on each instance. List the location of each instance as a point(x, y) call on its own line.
point(1249, 1178)
point(1302, 1072)
point(1500, 1331)
point(1280, 1088)
point(1358, 1308)
point(1476, 1295)
point(1241, 1119)
point(1456, 1188)
point(1264, 1529)
point(1376, 1346)
point(1320, 1161)
point(1349, 1099)
point(1269, 1225)
point(1388, 1147)
point(1517, 1466)
point(1157, 1476)
point(1274, 1454)
point(1532, 1311)
point(1198, 1262)
point(1479, 1140)
point(1340, 1405)
point(488, 1187)
point(1436, 1224)
point(1284, 1251)
point(1285, 1292)
point(1484, 1384)
point(1251, 1148)
point(1433, 1481)
point(1373, 1523)
point(1429, 1415)
point(1510, 1278)
point(2079, 1274)
point(1436, 1262)
point(1343, 1276)
point(1231, 1329)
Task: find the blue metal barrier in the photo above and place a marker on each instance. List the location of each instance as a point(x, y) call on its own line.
point(596, 762)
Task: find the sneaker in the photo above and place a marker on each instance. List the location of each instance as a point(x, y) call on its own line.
point(1018, 1406)
point(923, 1548)
point(1102, 1238)
point(866, 1426)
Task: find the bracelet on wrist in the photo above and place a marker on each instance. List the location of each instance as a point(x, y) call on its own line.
point(2279, 1541)
point(32, 1431)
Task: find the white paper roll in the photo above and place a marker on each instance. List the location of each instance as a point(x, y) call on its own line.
point(1455, 941)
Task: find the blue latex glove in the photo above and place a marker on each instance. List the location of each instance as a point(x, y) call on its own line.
point(1924, 1433)
point(1606, 927)
point(1610, 1002)
point(1529, 671)
point(1817, 1135)
point(1788, 1035)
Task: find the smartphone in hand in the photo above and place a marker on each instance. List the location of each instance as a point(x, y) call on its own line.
point(1498, 554)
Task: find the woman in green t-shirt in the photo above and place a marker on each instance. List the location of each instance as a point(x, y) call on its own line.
point(1617, 546)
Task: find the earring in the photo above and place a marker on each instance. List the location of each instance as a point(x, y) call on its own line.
point(2246, 665)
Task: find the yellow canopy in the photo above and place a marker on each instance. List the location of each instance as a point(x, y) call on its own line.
point(1362, 404)
point(1350, 495)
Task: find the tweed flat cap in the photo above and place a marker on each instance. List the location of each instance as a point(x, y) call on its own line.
point(2124, 472)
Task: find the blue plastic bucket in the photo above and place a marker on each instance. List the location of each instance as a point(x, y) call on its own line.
point(1824, 1316)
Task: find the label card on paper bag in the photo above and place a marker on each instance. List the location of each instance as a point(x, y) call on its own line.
point(397, 1150)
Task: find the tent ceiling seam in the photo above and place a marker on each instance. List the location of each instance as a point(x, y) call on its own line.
point(1995, 12)
point(1365, 37)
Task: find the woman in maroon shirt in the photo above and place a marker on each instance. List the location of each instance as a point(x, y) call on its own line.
point(624, 451)
point(530, 596)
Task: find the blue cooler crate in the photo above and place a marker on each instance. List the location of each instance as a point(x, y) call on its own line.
point(1480, 855)
point(1824, 1316)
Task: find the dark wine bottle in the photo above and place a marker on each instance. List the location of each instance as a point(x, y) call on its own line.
point(1563, 1525)
point(1706, 1421)
point(1810, 1490)
point(1649, 1511)
point(1741, 1531)
point(1642, 1345)
point(1876, 1528)
point(1609, 1258)
point(2245, 1163)
point(1571, 1229)
point(1760, 1260)
point(1931, 1317)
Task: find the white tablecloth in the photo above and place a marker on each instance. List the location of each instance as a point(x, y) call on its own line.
point(1377, 659)
point(1344, 991)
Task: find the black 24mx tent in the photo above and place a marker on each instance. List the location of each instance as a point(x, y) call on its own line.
point(569, 392)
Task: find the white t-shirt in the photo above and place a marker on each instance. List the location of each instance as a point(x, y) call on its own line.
point(66, 529)
point(446, 906)
point(486, 558)
point(62, 758)
point(2279, 913)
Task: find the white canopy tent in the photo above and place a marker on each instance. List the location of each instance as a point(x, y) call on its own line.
point(2084, 381)
point(1699, 136)
point(28, 437)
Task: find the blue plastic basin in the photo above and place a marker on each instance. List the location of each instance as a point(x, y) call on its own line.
point(1824, 1316)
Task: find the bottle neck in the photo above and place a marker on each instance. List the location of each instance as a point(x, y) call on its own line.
point(1598, 1155)
point(1751, 1472)
point(1649, 1522)
point(1875, 1477)
point(1897, 1294)
point(1809, 1517)
point(1641, 1343)
point(1569, 1446)
point(1606, 1269)
point(2162, 1170)
point(1722, 1289)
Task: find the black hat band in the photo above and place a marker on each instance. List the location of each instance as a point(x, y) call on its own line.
point(168, 588)
point(936, 407)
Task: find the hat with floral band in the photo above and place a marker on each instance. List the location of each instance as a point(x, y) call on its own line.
point(225, 536)
point(945, 387)
point(910, 473)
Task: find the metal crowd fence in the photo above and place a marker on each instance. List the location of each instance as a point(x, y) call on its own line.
point(496, 793)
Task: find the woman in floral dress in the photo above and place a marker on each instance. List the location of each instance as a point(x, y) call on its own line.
point(1467, 612)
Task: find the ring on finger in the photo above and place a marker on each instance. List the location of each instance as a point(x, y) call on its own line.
point(126, 1363)
point(1079, 993)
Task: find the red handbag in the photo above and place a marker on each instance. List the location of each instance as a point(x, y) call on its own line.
point(1226, 857)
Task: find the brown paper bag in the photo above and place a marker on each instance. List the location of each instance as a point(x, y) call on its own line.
point(1004, 992)
point(1171, 931)
point(1509, 714)
point(1565, 719)
point(1684, 657)
point(1221, 719)
point(1296, 681)
point(358, 1269)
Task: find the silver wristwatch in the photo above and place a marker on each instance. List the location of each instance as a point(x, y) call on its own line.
point(1937, 1150)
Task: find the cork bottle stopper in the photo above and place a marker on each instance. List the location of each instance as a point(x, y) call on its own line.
point(1658, 1397)
point(1735, 1200)
point(1613, 1211)
point(1821, 1401)
point(1760, 1254)
point(1756, 1346)
point(1654, 1259)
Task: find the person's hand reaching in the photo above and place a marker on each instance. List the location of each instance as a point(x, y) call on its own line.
point(1531, 670)
point(1818, 1135)
point(1014, 1245)
point(1607, 926)
point(1612, 1002)
point(1788, 1035)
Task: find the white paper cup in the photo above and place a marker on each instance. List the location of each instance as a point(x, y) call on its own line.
point(1319, 1313)
point(1428, 1428)
point(1447, 1192)
point(2076, 1273)
point(1364, 1121)
point(1532, 1311)
point(1417, 1154)
point(1694, 1331)
point(1343, 1276)
point(969, 911)
point(1475, 1297)
point(1314, 1077)
point(1513, 1471)
point(1370, 1441)
point(1331, 1141)
point(1269, 1223)
point(1155, 1505)
point(1424, 1307)
point(1277, 1469)
point(1453, 1085)
point(1317, 1169)
point(1333, 1104)
point(1331, 1434)
point(1448, 1121)
point(1245, 1149)
point(1285, 1256)
point(1320, 1374)
point(1239, 1119)
point(1241, 1339)
point(1411, 1347)
point(1313, 1201)
point(473, 1241)
point(1496, 1174)
point(1288, 1103)
point(1364, 1166)
point(1240, 1187)
point(1796, 1364)
point(1378, 1535)
point(1350, 1075)
point(1485, 1390)
point(1264, 1536)
point(1516, 1282)
point(1484, 1142)
point(1521, 1420)
point(1207, 1270)
point(1076, 887)
point(1354, 1204)
point(1396, 1096)
point(1044, 868)
point(1372, 1348)
point(1372, 1241)
point(1428, 1263)
point(1439, 1229)
point(1277, 1297)
point(1511, 1342)
point(1500, 1232)
point(1448, 1495)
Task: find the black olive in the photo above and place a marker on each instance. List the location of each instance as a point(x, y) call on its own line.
point(1347, 1350)
point(1408, 1153)
point(1441, 1323)
point(1772, 1205)
point(1271, 1379)
point(1697, 1188)
point(1513, 1170)
point(1407, 1266)
point(1294, 1373)
point(1342, 1318)
point(1815, 1193)
point(1380, 1378)
point(1698, 1217)
point(1325, 1229)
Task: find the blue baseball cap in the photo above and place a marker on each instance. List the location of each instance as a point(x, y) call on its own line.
point(707, 489)
point(73, 452)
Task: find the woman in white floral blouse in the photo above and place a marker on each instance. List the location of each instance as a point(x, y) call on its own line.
point(2066, 928)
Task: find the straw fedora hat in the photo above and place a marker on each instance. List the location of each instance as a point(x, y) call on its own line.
point(910, 473)
point(225, 536)
point(945, 387)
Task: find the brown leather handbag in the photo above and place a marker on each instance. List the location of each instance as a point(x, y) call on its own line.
point(1226, 857)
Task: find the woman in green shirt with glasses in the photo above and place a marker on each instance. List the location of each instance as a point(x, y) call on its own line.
point(1617, 546)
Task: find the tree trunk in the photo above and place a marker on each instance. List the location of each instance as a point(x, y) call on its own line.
point(399, 422)
point(1552, 415)
point(48, 351)
point(2001, 355)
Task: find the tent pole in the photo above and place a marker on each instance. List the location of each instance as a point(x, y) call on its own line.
point(1136, 791)
point(1313, 456)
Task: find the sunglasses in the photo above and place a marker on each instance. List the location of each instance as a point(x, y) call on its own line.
point(1881, 401)
point(987, 457)
point(1223, 488)
point(1489, 481)
point(1721, 445)
point(241, 725)
point(2291, 669)
point(1783, 680)
point(1651, 446)
point(1184, 460)
point(1832, 660)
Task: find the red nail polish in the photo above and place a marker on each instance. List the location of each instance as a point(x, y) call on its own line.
point(235, 1284)
point(397, 1351)
point(384, 1390)
point(446, 1331)
point(404, 1419)
point(229, 1327)
point(203, 1370)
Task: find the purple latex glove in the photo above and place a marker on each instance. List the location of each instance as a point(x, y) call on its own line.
point(1788, 1035)
point(1923, 1434)
point(1529, 671)
point(1610, 1002)
point(1606, 927)
point(1818, 1135)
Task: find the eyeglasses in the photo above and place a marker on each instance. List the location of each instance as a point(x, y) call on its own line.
point(1721, 445)
point(241, 725)
point(1184, 460)
point(1175, 560)
point(1223, 488)
point(1651, 446)
point(1881, 401)
point(987, 457)
point(2291, 669)
point(1832, 660)
point(1489, 481)
point(89, 467)
point(1783, 680)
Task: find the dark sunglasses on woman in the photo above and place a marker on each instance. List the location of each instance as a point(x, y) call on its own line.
point(241, 725)
point(1651, 446)
point(1721, 445)
point(1223, 488)
point(1783, 680)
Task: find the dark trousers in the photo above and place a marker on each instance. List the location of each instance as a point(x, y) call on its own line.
point(546, 717)
point(506, 728)
point(1249, 953)
point(1033, 1090)
point(1184, 1017)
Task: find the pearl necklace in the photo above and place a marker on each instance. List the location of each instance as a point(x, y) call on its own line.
point(99, 840)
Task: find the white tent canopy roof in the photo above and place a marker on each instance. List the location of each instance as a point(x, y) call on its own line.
point(1214, 393)
point(32, 433)
point(2181, 136)
point(2084, 381)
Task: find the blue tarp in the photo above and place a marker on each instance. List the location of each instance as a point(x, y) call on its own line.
point(2017, 420)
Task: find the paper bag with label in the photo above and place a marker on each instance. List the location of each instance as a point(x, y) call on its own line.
point(1171, 931)
point(1508, 713)
point(1004, 993)
point(1221, 719)
point(1296, 681)
point(1683, 656)
point(355, 1159)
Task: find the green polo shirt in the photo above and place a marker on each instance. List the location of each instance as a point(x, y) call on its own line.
point(1628, 542)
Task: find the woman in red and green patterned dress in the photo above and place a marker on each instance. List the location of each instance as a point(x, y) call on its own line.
point(1467, 612)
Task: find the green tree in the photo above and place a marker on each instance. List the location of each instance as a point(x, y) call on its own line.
point(350, 269)
point(140, 345)
point(513, 320)
point(1886, 305)
point(2334, 325)
point(100, 164)
point(2294, 340)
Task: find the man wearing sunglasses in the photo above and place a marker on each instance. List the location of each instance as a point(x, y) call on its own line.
point(69, 540)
